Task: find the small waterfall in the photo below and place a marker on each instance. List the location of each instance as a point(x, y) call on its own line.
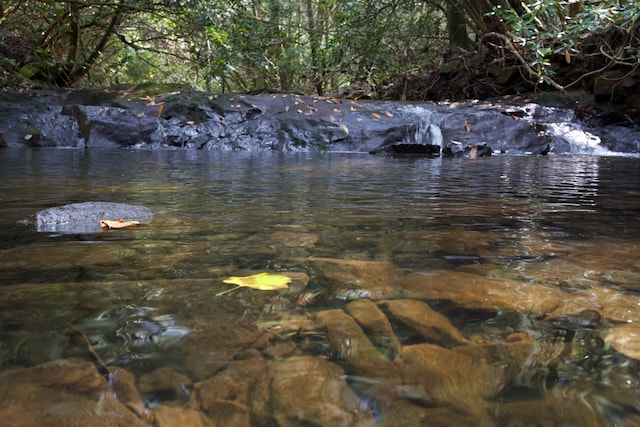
point(578, 140)
point(425, 132)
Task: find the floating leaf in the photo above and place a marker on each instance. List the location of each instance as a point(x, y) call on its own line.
point(260, 281)
point(108, 224)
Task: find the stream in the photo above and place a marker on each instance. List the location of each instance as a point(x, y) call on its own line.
point(448, 291)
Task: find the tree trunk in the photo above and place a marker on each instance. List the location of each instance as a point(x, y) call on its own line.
point(457, 28)
point(314, 47)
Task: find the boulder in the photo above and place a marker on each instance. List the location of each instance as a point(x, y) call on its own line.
point(78, 218)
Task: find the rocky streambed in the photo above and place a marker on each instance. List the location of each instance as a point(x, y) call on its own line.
point(141, 117)
point(391, 350)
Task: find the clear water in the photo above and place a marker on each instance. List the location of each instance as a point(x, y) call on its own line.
point(145, 297)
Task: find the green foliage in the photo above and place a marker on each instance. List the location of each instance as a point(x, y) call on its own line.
point(305, 46)
point(544, 28)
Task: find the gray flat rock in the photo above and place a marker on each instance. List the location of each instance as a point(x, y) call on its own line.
point(80, 218)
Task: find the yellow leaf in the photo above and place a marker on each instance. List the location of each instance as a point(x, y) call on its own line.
point(260, 281)
point(345, 128)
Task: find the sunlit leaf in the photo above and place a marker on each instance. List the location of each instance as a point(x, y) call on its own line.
point(108, 224)
point(389, 114)
point(260, 281)
point(376, 115)
point(344, 128)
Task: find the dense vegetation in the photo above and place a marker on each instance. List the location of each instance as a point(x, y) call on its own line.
point(393, 47)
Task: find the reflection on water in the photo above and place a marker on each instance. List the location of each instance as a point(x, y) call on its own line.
point(500, 291)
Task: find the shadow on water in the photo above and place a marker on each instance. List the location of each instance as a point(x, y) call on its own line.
point(423, 292)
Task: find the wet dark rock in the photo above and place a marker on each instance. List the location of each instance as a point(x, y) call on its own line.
point(134, 118)
point(85, 217)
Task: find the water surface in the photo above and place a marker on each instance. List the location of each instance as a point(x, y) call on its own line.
point(356, 225)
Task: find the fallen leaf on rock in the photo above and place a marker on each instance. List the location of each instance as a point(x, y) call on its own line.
point(108, 224)
point(260, 281)
point(345, 128)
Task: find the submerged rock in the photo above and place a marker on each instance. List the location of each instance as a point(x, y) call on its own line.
point(428, 323)
point(68, 392)
point(85, 217)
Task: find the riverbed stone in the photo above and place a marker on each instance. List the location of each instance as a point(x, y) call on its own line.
point(303, 391)
point(165, 379)
point(560, 406)
point(172, 416)
point(349, 343)
point(234, 383)
point(428, 323)
point(293, 239)
point(67, 392)
point(440, 377)
point(368, 279)
point(482, 293)
point(625, 339)
point(124, 385)
point(292, 392)
point(376, 324)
